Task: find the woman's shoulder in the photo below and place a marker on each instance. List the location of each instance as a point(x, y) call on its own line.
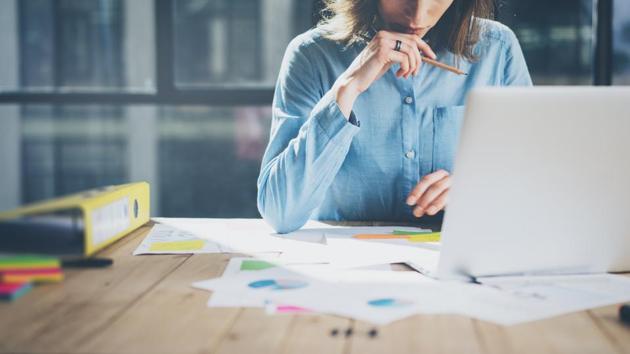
point(311, 42)
point(495, 32)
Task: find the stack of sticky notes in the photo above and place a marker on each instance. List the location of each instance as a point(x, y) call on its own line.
point(11, 291)
point(17, 273)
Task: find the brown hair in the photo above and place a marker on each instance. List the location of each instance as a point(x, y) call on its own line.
point(352, 21)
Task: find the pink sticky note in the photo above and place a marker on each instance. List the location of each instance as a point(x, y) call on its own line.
point(291, 309)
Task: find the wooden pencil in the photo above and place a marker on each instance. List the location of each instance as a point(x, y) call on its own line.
point(443, 66)
point(430, 61)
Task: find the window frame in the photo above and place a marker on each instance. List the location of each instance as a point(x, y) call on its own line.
point(166, 92)
point(603, 43)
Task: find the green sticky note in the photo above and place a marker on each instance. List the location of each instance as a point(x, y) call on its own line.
point(182, 246)
point(28, 261)
point(411, 233)
point(255, 265)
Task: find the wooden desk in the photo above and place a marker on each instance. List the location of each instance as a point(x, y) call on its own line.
point(146, 305)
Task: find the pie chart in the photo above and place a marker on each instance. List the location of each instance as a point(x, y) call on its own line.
point(278, 284)
point(389, 302)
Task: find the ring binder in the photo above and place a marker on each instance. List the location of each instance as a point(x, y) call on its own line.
point(78, 224)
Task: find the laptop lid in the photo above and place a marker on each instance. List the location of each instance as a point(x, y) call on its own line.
point(541, 183)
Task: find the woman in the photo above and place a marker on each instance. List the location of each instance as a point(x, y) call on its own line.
point(362, 130)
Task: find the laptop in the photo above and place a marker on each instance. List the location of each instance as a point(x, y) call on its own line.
point(541, 184)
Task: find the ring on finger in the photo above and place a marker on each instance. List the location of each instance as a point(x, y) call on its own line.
point(398, 45)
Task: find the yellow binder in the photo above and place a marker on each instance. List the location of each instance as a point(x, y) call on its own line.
point(80, 223)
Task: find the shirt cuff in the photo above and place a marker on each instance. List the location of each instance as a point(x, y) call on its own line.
point(353, 120)
point(329, 117)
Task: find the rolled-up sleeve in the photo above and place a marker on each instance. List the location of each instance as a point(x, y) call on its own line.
point(309, 141)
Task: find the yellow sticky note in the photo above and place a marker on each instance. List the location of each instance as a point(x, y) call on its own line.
point(186, 245)
point(432, 237)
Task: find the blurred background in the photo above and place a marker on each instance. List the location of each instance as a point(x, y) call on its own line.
point(178, 92)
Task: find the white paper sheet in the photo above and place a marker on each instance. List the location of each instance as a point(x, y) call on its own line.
point(164, 233)
point(248, 236)
point(381, 297)
point(366, 253)
point(349, 232)
point(332, 287)
point(255, 237)
point(549, 296)
point(236, 265)
point(329, 290)
point(379, 301)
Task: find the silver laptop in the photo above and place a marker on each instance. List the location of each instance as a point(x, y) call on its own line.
point(541, 184)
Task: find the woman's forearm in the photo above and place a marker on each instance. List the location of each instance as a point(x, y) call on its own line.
point(346, 94)
point(301, 163)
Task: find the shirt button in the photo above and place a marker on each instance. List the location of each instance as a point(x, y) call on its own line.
point(408, 100)
point(410, 154)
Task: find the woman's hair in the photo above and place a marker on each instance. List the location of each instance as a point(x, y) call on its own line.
point(352, 21)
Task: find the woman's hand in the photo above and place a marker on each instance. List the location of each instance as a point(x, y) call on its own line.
point(430, 194)
point(377, 57)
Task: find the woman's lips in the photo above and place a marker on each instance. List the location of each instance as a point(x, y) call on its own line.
point(410, 30)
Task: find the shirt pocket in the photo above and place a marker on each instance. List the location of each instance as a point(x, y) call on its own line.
point(447, 124)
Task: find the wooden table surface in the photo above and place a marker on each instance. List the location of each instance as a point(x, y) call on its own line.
point(145, 305)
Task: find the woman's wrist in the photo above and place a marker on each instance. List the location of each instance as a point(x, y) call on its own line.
point(346, 93)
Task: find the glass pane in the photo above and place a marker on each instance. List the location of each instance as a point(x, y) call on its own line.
point(71, 148)
point(621, 42)
point(77, 45)
point(556, 37)
point(200, 160)
point(235, 42)
point(209, 160)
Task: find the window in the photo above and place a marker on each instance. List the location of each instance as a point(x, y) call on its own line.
point(70, 148)
point(556, 37)
point(210, 166)
point(621, 42)
point(200, 160)
point(234, 43)
point(220, 41)
point(178, 92)
point(89, 45)
point(201, 154)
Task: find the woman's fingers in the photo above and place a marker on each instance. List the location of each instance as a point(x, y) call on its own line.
point(402, 59)
point(411, 47)
point(436, 205)
point(430, 196)
point(423, 185)
point(413, 53)
point(407, 47)
point(432, 193)
point(422, 46)
point(439, 203)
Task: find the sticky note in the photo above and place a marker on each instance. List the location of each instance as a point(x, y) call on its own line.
point(411, 233)
point(380, 237)
point(27, 262)
point(186, 245)
point(432, 237)
point(13, 291)
point(291, 309)
point(255, 265)
point(43, 275)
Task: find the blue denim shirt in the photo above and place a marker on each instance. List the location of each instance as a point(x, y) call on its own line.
point(320, 166)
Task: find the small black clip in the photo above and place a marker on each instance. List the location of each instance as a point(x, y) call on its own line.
point(349, 332)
